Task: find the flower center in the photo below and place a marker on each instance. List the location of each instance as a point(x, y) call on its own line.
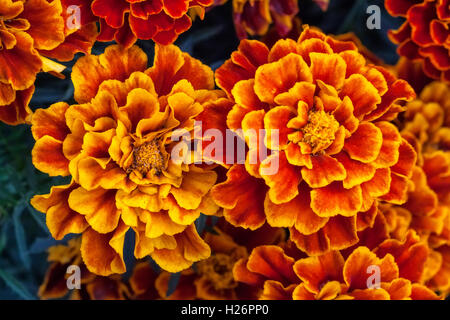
point(320, 130)
point(218, 269)
point(148, 158)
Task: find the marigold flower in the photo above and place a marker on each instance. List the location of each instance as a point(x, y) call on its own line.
point(428, 118)
point(126, 20)
point(255, 17)
point(93, 287)
point(212, 279)
point(337, 153)
point(117, 146)
point(424, 35)
point(30, 31)
point(334, 275)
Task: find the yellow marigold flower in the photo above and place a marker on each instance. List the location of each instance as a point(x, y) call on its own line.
point(117, 145)
point(337, 155)
point(31, 31)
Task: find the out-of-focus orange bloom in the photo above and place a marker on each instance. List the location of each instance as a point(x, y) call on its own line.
point(425, 34)
point(92, 287)
point(337, 276)
point(274, 18)
point(337, 153)
point(426, 125)
point(128, 20)
point(212, 279)
point(30, 31)
point(117, 145)
point(428, 118)
point(254, 17)
point(412, 72)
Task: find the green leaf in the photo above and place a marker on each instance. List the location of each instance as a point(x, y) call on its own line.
point(38, 217)
point(15, 285)
point(42, 244)
point(20, 235)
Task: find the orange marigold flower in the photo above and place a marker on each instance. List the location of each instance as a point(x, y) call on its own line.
point(117, 146)
point(129, 20)
point(427, 211)
point(337, 153)
point(335, 275)
point(428, 118)
point(212, 279)
point(30, 31)
point(424, 36)
point(93, 287)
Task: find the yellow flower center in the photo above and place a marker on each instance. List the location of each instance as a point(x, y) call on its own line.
point(148, 158)
point(218, 269)
point(320, 131)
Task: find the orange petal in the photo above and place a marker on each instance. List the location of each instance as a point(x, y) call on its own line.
point(46, 23)
point(277, 119)
point(243, 64)
point(245, 96)
point(344, 115)
point(315, 271)
point(61, 220)
point(190, 248)
point(357, 172)
point(420, 292)
point(116, 63)
point(281, 49)
point(325, 170)
point(410, 255)
point(48, 157)
point(329, 68)
point(272, 263)
point(98, 206)
point(314, 244)
point(364, 95)
point(301, 92)
point(100, 251)
point(369, 134)
point(50, 122)
point(274, 290)
point(278, 77)
point(17, 111)
point(407, 159)
point(242, 274)
point(334, 199)
point(20, 64)
point(389, 152)
point(295, 212)
point(171, 65)
point(195, 185)
point(295, 156)
point(356, 272)
point(341, 231)
point(237, 196)
point(398, 192)
point(284, 182)
point(399, 289)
